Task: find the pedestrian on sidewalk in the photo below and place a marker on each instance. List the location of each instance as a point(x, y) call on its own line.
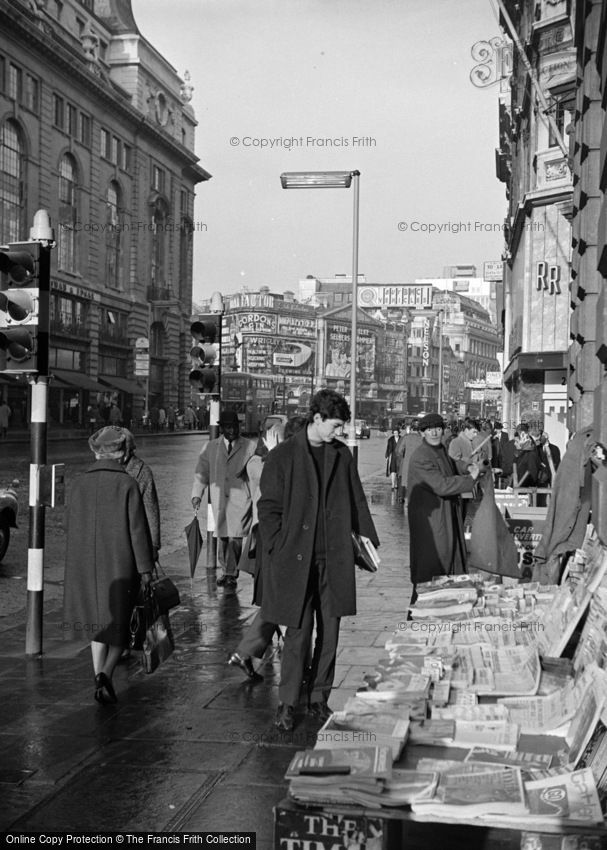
point(311, 501)
point(391, 458)
point(5, 415)
point(220, 468)
point(144, 477)
point(408, 442)
point(109, 553)
point(259, 634)
point(434, 489)
point(471, 444)
point(115, 415)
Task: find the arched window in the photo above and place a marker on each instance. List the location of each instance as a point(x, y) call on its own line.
point(68, 215)
point(11, 183)
point(113, 235)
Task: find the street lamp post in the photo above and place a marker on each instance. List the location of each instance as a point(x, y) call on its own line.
point(440, 362)
point(338, 180)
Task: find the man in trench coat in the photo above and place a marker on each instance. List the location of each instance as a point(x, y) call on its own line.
point(436, 529)
point(221, 467)
point(311, 501)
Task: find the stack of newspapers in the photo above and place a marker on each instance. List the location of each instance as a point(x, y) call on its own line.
point(336, 775)
point(361, 776)
point(373, 728)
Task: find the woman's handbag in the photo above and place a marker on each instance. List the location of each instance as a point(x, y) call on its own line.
point(150, 630)
point(158, 644)
point(165, 591)
point(365, 556)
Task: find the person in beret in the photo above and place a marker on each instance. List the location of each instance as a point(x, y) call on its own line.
point(437, 544)
point(109, 554)
point(221, 468)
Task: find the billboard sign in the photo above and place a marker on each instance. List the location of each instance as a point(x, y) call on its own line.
point(493, 270)
point(395, 295)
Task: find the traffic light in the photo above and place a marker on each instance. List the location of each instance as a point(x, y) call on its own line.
point(23, 339)
point(206, 353)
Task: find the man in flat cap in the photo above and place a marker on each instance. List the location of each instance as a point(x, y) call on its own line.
point(221, 468)
point(437, 545)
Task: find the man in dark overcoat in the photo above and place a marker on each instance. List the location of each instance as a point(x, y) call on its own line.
point(436, 529)
point(311, 501)
point(108, 549)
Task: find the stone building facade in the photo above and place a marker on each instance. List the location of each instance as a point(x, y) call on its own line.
point(97, 128)
point(533, 162)
point(587, 378)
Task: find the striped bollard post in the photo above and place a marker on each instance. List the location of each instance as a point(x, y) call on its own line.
point(35, 552)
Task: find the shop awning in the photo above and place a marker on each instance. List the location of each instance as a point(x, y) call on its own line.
point(122, 384)
point(78, 379)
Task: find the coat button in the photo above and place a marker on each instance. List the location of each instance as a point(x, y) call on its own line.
point(300, 557)
point(305, 527)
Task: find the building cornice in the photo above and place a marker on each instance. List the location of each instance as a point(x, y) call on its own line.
point(531, 200)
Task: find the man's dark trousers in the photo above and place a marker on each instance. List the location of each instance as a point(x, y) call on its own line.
point(297, 644)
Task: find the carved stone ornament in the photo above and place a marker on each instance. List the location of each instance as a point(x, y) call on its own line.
point(186, 89)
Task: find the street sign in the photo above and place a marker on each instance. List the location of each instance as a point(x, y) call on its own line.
point(493, 270)
point(142, 357)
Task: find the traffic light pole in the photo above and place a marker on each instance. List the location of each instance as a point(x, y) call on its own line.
point(39, 407)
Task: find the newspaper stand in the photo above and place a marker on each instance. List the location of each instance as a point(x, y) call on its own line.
point(341, 827)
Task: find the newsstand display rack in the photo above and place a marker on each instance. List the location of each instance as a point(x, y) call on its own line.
point(479, 661)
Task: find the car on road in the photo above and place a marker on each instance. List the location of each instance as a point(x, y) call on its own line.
point(9, 509)
point(363, 432)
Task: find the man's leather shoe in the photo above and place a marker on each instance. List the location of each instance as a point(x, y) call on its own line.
point(246, 665)
point(222, 580)
point(285, 718)
point(231, 581)
point(320, 710)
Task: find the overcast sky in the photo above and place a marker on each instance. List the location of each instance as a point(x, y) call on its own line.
point(389, 81)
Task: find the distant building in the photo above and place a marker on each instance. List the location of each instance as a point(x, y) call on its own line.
point(97, 128)
point(486, 292)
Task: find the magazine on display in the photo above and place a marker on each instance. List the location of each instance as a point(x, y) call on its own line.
point(470, 794)
point(568, 798)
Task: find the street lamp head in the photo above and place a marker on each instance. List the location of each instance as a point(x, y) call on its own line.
point(317, 179)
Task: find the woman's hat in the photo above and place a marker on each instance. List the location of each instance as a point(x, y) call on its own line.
point(108, 442)
point(431, 420)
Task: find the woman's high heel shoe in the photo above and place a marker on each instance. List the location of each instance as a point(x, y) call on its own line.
point(102, 683)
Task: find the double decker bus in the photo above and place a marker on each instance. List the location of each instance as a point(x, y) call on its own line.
point(251, 396)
